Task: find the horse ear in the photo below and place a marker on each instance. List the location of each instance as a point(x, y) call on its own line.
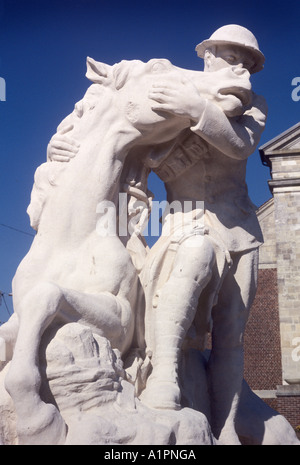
point(96, 71)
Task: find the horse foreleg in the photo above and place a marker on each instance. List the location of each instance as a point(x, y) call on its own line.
point(37, 422)
point(108, 315)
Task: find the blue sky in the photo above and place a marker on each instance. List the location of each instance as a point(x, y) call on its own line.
point(43, 49)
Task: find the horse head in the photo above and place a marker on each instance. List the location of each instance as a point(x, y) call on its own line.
point(132, 80)
point(229, 88)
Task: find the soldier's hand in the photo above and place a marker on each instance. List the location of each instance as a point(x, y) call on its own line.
point(62, 147)
point(180, 98)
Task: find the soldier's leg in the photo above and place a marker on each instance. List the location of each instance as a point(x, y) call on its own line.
point(173, 316)
point(226, 362)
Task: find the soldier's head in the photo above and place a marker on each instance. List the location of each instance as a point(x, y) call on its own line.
point(231, 45)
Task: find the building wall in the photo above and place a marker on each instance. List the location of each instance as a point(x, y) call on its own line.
point(262, 337)
point(267, 251)
point(274, 324)
point(289, 407)
point(287, 225)
point(263, 370)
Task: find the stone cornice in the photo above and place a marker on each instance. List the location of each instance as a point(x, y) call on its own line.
point(287, 143)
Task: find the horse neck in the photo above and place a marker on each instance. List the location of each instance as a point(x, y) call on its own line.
point(92, 177)
point(102, 156)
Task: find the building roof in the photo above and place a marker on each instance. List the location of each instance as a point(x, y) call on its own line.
point(288, 142)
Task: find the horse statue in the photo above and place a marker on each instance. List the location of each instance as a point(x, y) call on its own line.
point(72, 273)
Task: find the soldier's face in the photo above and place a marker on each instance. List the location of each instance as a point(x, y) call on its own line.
point(227, 55)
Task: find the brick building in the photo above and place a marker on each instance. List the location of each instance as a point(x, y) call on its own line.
point(272, 339)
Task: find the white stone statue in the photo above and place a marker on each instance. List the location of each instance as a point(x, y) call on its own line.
point(104, 328)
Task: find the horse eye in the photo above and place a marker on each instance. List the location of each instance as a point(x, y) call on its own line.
point(158, 67)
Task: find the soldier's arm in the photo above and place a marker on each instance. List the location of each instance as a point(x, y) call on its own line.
point(235, 137)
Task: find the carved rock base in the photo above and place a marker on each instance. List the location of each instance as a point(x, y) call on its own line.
point(85, 379)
